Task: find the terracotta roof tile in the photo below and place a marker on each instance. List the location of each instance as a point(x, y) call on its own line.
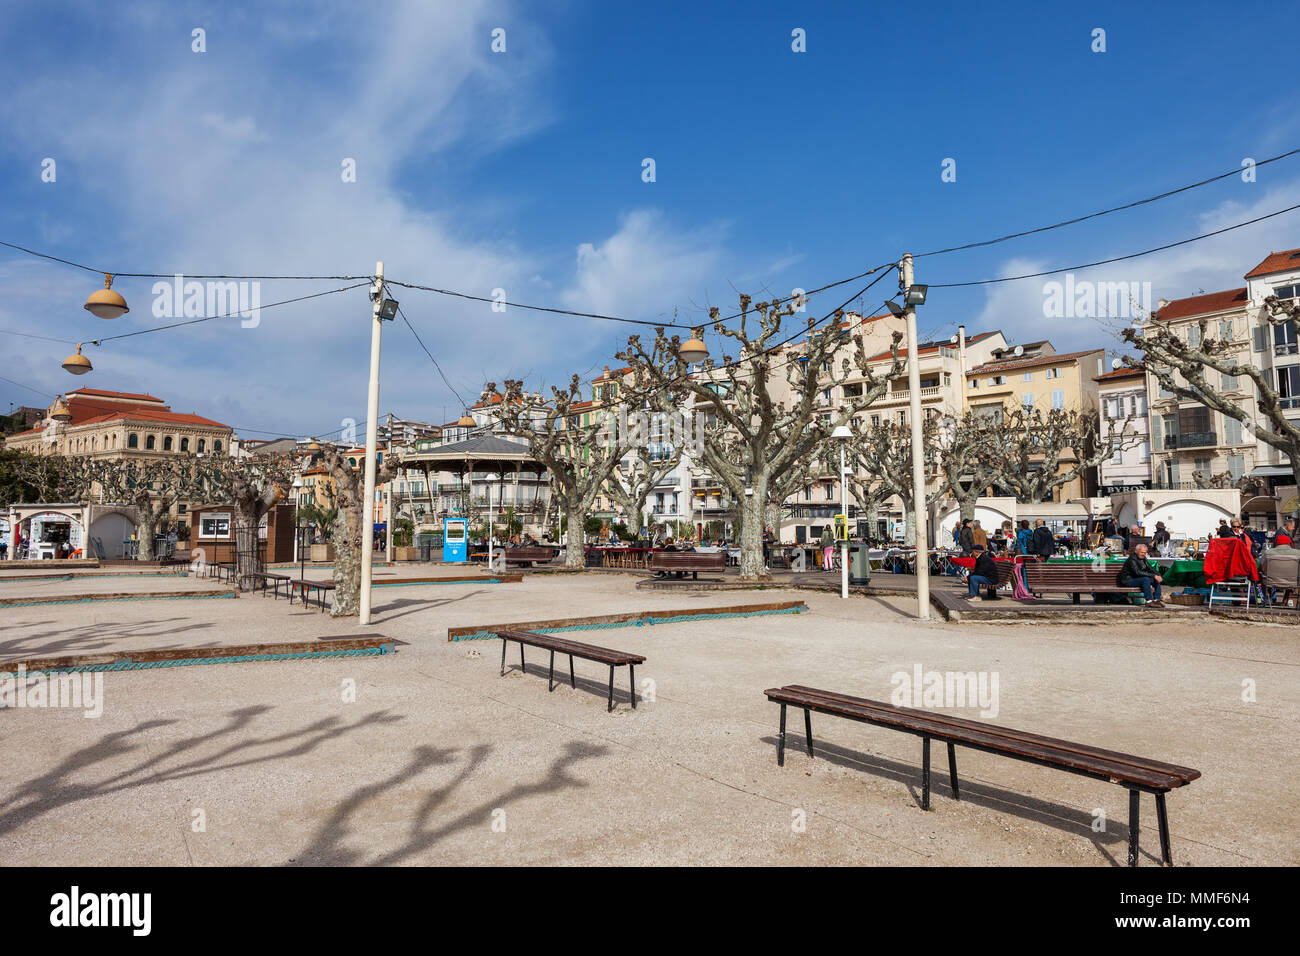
point(1202, 304)
point(1287, 261)
point(1034, 360)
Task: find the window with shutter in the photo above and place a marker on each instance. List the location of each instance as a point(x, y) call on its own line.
point(1156, 433)
point(1231, 431)
point(1257, 339)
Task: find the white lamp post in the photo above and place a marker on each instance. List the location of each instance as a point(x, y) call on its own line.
point(842, 434)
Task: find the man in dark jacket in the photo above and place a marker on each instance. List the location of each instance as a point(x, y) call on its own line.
point(984, 574)
point(1139, 571)
point(1044, 543)
point(966, 537)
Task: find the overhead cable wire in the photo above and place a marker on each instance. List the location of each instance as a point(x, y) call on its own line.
point(155, 275)
point(1102, 262)
point(1105, 212)
point(224, 315)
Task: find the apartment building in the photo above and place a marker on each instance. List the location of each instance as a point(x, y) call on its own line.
point(1122, 397)
point(1194, 445)
point(1034, 376)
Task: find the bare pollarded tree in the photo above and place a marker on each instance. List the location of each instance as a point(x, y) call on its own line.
point(1181, 368)
point(767, 408)
point(580, 457)
point(631, 485)
point(351, 522)
point(253, 486)
point(154, 486)
point(880, 467)
point(1040, 453)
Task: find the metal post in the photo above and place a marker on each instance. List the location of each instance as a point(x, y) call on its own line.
point(372, 438)
point(388, 501)
point(844, 510)
point(918, 452)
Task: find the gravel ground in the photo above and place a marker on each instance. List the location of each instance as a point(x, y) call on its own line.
point(435, 758)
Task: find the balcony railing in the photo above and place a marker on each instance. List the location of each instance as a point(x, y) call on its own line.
point(1191, 440)
point(906, 395)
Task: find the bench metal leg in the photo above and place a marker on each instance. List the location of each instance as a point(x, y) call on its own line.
point(1166, 856)
point(521, 658)
point(807, 729)
point(925, 773)
point(780, 742)
point(1133, 813)
point(572, 680)
point(550, 675)
point(504, 645)
point(952, 771)
point(631, 669)
point(611, 688)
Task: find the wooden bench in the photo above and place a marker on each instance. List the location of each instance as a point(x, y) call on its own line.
point(525, 556)
point(1075, 579)
point(261, 578)
point(320, 587)
point(590, 652)
point(1136, 774)
point(692, 561)
point(173, 562)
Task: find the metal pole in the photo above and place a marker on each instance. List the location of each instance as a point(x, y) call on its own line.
point(372, 440)
point(389, 513)
point(844, 510)
point(918, 451)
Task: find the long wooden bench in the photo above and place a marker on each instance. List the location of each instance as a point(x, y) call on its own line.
point(261, 579)
point(1137, 774)
point(306, 587)
point(1075, 579)
point(590, 652)
point(525, 556)
point(680, 562)
point(173, 562)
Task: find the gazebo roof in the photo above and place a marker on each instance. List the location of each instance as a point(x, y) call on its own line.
point(481, 453)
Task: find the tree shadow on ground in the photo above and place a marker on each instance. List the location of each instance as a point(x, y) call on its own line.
point(423, 831)
point(61, 785)
point(1058, 816)
point(381, 613)
point(86, 638)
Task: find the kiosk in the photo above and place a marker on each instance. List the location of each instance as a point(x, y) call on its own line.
point(455, 540)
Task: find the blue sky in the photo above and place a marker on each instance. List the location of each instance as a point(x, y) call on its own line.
point(522, 171)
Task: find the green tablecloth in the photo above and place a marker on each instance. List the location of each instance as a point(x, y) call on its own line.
point(1185, 574)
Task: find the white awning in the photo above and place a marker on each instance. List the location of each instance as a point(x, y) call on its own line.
point(1270, 471)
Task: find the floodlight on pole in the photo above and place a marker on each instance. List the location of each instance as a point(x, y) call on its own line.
point(916, 294)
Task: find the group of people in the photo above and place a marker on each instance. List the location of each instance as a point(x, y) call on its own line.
point(969, 534)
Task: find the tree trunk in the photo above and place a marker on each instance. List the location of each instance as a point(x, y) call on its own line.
point(347, 563)
point(575, 555)
point(246, 563)
point(149, 516)
point(909, 524)
point(967, 508)
point(750, 510)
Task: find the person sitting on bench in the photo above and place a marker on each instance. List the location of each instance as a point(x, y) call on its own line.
point(1140, 572)
point(984, 574)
